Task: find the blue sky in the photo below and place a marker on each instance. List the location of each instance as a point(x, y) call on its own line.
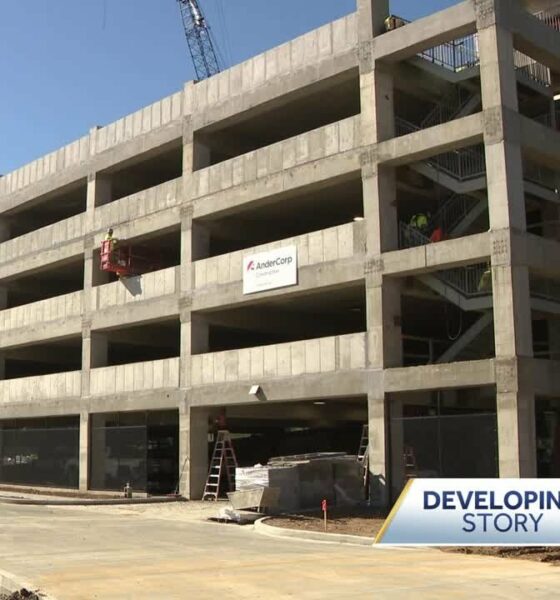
point(67, 65)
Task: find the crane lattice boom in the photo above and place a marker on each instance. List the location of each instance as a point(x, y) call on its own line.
point(202, 50)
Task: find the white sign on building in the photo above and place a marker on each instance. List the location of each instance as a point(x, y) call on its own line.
point(270, 270)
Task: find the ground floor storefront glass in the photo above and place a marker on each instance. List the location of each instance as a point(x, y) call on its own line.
point(138, 448)
point(42, 452)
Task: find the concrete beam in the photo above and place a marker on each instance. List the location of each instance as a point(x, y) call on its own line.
point(441, 27)
point(450, 254)
point(533, 37)
point(436, 377)
point(310, 278)
point(260, 190)
point(342, 384)
point(426, 143)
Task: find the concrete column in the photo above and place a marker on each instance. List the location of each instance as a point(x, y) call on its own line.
point(517, 444)
point(84, 452)
point(384, 337)
point(397, 445)
point(384, 349)
point(510, 277)
point(384, 345)
point(186, 248)
point(193, 451)
point(99, 191)
point(380, 209)
point(94, 354)
point(99, 350)
point(378, 435)
point(371, 18)
point(186, 343)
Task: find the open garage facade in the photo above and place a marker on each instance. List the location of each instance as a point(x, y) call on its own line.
point(387, 258)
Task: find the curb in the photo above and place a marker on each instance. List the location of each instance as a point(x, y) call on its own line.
point(310, 536)
point(86, 502)
point(12, 583)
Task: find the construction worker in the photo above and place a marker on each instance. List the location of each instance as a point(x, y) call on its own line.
point(109, 238)
point(437, 235)
point(485, 283)
point(392, 22)
point(421, 222)
point(114, 258)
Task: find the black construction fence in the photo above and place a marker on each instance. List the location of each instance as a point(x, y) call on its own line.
point(138, 448)
point(42, 452)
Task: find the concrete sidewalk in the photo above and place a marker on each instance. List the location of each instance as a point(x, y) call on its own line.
point(151, 552)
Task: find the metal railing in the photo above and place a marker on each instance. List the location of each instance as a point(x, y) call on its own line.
point(451, 213)
point(471, 281)
point(454, 210)
point(448, 108)
point(549, 119)
point(422, 350)
point(545, 289)
point(541, 175)
point(463, 53)
point(462, 164)
point(411, 237)
point(551, 16)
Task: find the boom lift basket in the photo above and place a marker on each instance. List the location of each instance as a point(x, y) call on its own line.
point(126, 260)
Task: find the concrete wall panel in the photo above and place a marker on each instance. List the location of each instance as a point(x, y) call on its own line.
point(281, 360)
point(135, 377)
point(313, 248)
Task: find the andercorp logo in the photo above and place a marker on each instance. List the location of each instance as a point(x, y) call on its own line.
point(269, 264)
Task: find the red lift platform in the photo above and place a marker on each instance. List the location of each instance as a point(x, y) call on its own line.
point(126, 260)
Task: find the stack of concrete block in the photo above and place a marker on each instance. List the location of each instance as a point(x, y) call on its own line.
point(305, 480)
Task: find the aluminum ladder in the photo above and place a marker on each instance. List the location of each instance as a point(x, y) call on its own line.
point(223, 459)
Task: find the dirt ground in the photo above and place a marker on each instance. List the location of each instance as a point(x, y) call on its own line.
point(352, 521)
point(364, 522)
point(545, 554)
point(22, 594)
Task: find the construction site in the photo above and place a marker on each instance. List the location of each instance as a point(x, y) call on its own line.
point(326, 270)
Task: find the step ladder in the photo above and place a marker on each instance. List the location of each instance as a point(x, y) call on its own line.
point(364, 445)
point(223, 459)
point(363, 456)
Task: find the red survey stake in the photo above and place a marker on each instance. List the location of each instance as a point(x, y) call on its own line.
point(324, 509)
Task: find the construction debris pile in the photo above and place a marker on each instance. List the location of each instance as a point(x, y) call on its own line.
point(307, 479)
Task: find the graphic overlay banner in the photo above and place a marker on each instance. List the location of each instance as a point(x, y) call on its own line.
point(475, 512)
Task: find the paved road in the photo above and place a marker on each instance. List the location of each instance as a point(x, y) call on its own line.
point(151, 553)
